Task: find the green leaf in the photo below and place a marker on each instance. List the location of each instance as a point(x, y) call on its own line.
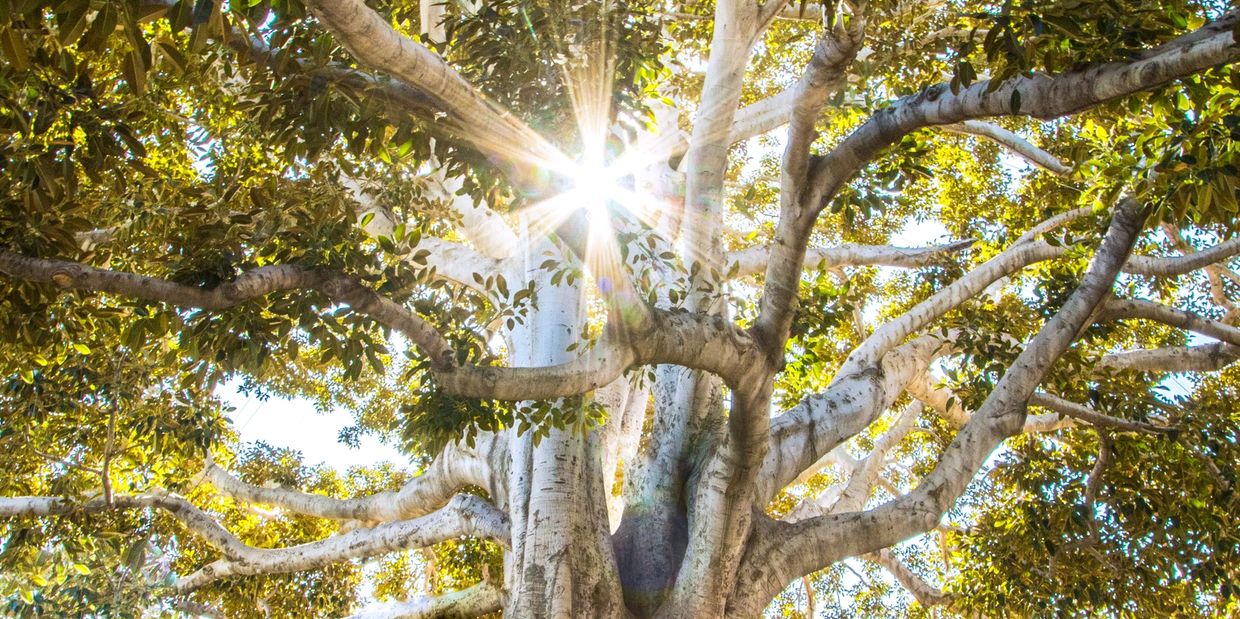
point(82, 348)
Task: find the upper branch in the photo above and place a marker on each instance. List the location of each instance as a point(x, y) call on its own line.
point(692, 340)
point(1179, 265)
point(250, 285)
point(1148, 310)
point(1040, 96)
point(1204, 358)
point(754, 259)
point(374, 42)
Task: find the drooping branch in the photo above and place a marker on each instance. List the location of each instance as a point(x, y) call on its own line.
point(753, 260)
point(677, 338)
point(474, 601)
point(1013, 143)
point(452, 470)
point(194, 519)
point(925, 593)
point(785, 551)
point(464, 515)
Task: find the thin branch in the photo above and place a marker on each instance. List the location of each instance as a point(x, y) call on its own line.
point(194, 519)
point(1014, 143)
point(1179, 265)
point(925, 593)
point(1092, 417)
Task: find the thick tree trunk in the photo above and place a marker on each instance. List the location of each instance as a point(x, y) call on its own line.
point(561, 563)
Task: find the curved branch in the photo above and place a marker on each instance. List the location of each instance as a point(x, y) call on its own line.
point(474, 601)
point(447, 474)
point(679, 338)
point(249, 285)
point(1013, 143)
point(925, 593)
point(465, 515)
point(753, 260)
point(1040, 96)
point(1179, 265)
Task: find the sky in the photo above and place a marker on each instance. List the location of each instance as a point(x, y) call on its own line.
point(295, 424)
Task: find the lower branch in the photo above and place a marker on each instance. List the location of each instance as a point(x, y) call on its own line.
point(480, 599)
point(925, 593)
point(465, 515)
point(451, 470)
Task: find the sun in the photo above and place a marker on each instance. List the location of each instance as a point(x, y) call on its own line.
point(597, 187)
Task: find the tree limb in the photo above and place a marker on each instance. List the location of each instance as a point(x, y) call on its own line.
point(474, 601)
point(1168, 267)
point(1093, 418)
point(464, 515)
point(753, 260)
point(1204, 358)
point(447, 474)
point(782, 552)
point(1129, 309)
point(1013, 143)
point(374, 42)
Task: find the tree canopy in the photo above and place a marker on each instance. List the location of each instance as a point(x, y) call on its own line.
point(676, 308)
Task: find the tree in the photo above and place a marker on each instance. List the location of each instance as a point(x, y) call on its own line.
point(619, 278)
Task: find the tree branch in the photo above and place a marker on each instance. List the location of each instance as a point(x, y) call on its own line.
point(1040, 96)
point(1013, 143)
point(784, 551)
point(1129, 309)
point(1204, 358)
point(754, 259)
point(477, 600)
point(465, 515)
point(450, 471)
point(925, 593)
point(1168, 267)
point(1093, 418)
point(373, 41)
